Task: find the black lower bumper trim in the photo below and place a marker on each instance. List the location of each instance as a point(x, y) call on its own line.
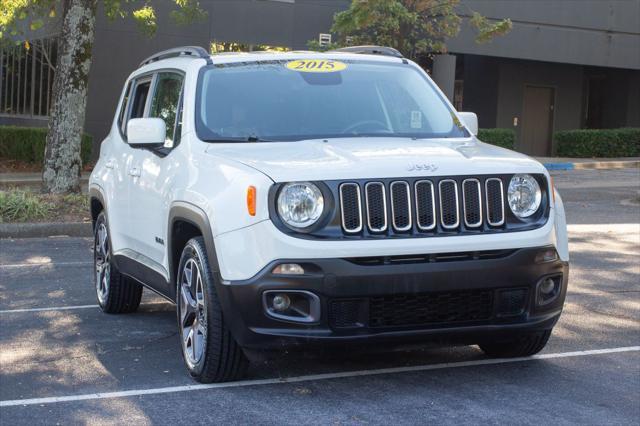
point(463, 299)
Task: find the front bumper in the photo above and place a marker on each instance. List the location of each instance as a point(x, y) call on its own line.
point(464, 298)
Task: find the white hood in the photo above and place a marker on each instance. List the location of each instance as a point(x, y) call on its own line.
point(368, 158)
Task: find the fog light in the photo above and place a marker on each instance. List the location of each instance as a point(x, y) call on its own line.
point(288, 269)
point(548, 290)
point(547, 286)
point(547, 256)
point(281, 302)
point(292, 305)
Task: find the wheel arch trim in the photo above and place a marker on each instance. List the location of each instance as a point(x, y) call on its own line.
point(96, 192)
point(190, 213)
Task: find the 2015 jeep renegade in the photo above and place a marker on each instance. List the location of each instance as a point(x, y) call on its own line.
point(288, 198)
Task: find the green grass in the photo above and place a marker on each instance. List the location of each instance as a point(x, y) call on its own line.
point(76, 203)
point(22, 206)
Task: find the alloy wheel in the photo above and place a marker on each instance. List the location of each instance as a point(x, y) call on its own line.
point(102, 258)
point(193, 318)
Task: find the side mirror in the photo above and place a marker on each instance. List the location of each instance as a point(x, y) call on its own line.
point(470, 119)
point(146, 132)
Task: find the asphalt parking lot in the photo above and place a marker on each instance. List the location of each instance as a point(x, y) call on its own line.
point(63, 361)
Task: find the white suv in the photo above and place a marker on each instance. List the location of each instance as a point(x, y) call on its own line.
point(298, 198)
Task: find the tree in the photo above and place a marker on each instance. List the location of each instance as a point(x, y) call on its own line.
point(414, 27)
point(19, 18)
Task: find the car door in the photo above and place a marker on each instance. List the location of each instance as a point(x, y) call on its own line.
point(153, 173)
point(114, 178)
point(121, 161)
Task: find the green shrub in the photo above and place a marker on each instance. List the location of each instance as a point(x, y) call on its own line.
point(598, 142)
point(27, 144)
point(22, 206)
point(506, 138)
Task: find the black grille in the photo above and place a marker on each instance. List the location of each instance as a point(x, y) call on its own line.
point(346, 313)
point(472, 208)
point(511, 302)
point(425, 205)
point(351, 207)
point(495, 202)
point(401, 206)
point(430, 308)
point(449, 204)
point(376, 207)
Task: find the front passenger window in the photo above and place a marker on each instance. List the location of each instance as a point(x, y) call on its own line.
point(165, 101)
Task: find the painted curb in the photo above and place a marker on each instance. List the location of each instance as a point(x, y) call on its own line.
point(559, 166)
point(43, 230)
point(593, 165)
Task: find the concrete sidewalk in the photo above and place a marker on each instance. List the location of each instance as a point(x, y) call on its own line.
point(30, 177)
point(33, 180)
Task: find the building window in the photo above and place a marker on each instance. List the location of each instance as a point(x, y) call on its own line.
point(458, 90)
point(26, 78)
point(324, 39)
point(594, 101)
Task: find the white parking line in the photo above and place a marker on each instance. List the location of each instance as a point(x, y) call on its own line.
point(309, 378)
point(27, 265)
point(59, 308)
point(68, 308)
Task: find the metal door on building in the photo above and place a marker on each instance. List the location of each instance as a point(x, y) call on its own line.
point(537, 120)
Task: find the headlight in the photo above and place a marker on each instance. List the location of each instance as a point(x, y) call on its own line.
point(300, 204)
point(524, 195)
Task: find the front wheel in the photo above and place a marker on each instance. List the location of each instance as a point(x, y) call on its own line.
point(524, 345)
point(210, 353)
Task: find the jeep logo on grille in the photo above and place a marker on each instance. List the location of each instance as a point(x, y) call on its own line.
point(422, 167)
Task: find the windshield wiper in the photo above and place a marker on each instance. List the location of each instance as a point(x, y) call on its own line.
point(254, 138)
point(251, 138)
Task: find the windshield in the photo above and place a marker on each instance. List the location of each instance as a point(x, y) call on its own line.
point(275, 101)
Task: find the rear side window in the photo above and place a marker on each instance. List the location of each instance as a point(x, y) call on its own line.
point(140, 99)
point(165, 102)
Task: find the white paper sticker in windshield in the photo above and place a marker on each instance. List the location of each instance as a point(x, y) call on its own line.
point(416, 119)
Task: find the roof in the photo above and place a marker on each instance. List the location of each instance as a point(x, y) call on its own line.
point(375, 53)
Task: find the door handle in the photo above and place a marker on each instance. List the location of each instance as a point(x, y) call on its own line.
point(135, 172)
point(110, 164)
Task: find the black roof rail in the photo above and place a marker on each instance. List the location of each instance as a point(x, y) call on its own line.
point(194, 51)
point(371, 50)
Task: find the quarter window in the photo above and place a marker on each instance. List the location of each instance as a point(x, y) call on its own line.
point(123, 108)
point(165, 102)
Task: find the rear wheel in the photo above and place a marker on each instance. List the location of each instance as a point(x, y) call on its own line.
point(523, 345)
point(116, 293)
point(210, 353)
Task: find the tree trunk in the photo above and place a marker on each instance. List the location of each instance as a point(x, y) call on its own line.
point(62, 163)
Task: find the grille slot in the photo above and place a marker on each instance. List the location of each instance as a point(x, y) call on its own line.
point(351, 207)
point(401, 206)
point(449, 208)
point(472, 202)
point(494, 195)
point(375, 197)
point(425, 205)
point(405, 310)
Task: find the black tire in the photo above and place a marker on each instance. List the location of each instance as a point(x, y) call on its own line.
point(116, 293)
point(211, 354)
point(524, 345)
